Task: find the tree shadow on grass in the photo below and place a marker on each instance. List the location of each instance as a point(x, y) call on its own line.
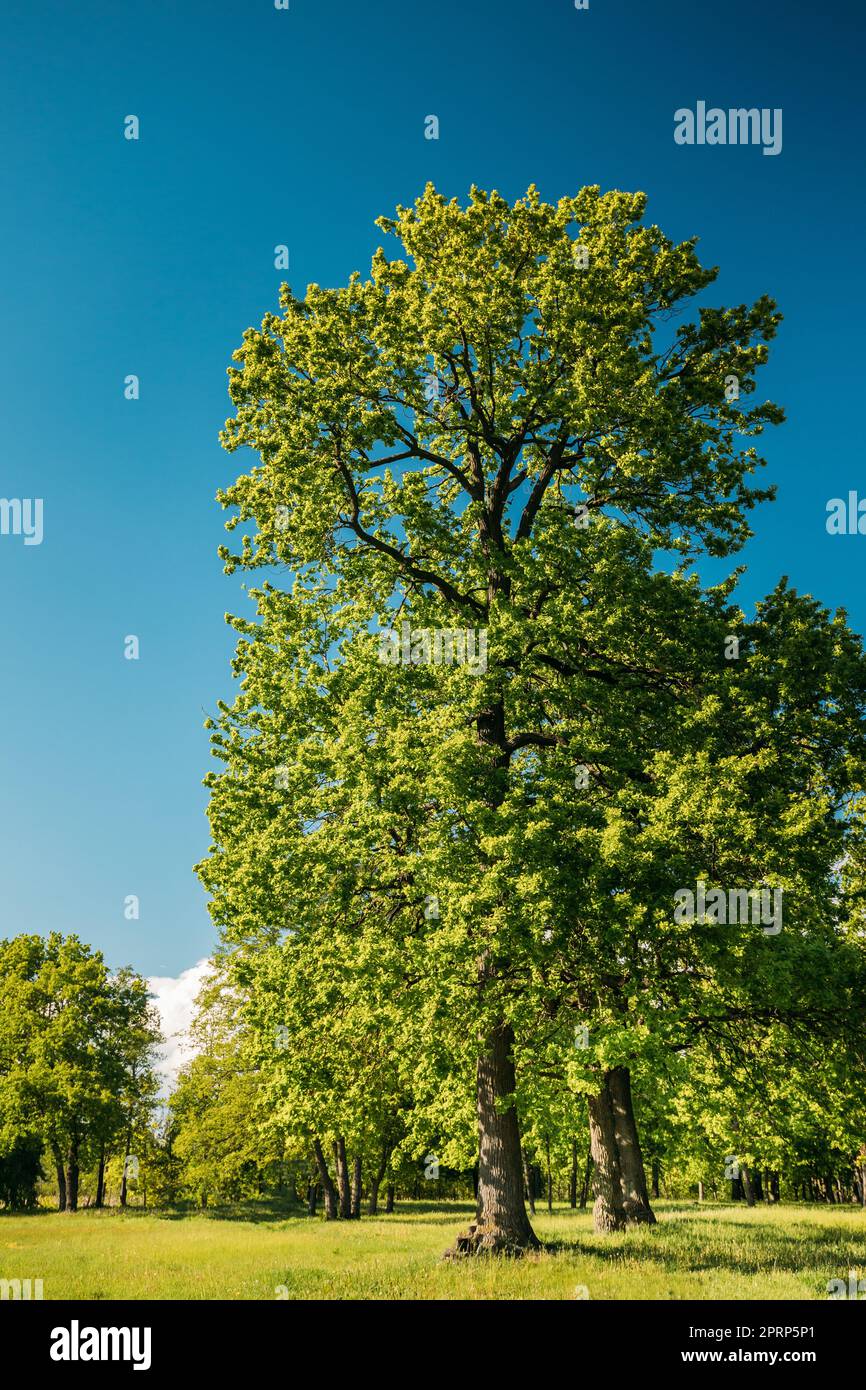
point(264, 1212)
point(695, 1246)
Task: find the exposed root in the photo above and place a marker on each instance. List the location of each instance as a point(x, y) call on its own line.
point(481, 1239)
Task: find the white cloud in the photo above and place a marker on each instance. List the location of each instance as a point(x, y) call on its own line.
point(174, 998)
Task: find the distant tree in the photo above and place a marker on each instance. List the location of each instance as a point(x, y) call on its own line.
point(215, 1128)
point(76, 1051)
point(20, 1172)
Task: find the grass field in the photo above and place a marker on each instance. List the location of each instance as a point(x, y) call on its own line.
point(706, 1252)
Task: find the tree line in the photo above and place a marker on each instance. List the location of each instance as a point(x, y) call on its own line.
point(77, 1069)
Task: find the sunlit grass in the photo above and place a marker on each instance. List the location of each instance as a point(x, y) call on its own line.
point(701, 1252)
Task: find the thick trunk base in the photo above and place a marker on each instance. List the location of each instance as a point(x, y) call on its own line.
point(637, 1214)
point(501, 1225)
point(485, 1239)
point(635, 1198)
point(608, 1212)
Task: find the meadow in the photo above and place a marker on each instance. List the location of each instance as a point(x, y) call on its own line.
point(705, 1251)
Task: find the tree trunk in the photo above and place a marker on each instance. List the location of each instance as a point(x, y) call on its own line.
point(635, 1198)
point(528, 1186)
point(343, 1185)
point(608, 1210)
point(72, 1174)
point(100, 1179)
point(126, 1148)
point(572, 1181)
point(746, 1181)
point(61, 1178)
point(501, 1225)
point(312, 1193)
point(656, 1170)
point(549, 1178)
point(377, 1180)
point(587, 1174)
point(356, 1189)
point(757, 1185)
point(389, 1199)
point(328, 1190)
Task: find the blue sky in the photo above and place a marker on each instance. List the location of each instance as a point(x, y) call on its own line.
point(261, 127)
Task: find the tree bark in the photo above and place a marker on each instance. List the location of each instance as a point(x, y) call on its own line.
point(389, 1199)
point(587, 1175)
point(99, 1200)
point(126, 1148)
point(549, 1178)
point(61, 1178)
point(501, 1225)
point(377, 1180)
point(312, 1193)
point(343, 1185)
point(528, 1186)
point(328, 1191)
point(635, 1198)
point(746, 1181)
point(72, 1175)
point(356, 1189)
point(608, 1211)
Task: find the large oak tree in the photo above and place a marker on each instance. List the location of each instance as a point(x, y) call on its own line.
point(495, 431)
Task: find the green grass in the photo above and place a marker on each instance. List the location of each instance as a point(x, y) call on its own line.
point(704, 1252)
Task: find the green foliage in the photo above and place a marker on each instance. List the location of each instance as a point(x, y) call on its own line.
point(76, 1047)
point(20, 1173)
